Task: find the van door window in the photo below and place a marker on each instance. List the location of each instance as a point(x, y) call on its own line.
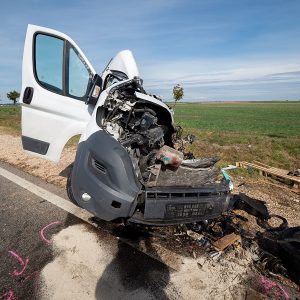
point(79, 76)
point(49, 62)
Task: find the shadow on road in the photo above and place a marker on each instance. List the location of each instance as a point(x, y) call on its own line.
point(133, 274)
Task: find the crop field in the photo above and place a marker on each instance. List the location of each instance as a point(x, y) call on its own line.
point(265, 131)
point(275, 119)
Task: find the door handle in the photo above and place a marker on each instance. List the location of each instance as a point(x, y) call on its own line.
point(28, 93)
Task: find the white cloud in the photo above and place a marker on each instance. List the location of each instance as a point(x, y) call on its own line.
point(198, 77)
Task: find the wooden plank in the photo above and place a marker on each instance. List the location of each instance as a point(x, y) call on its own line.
point(285, 172)
point(261, 164)
point(270, 171)
point(226, 241)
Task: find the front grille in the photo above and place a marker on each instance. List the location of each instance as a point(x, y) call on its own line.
point(185, 203)
point(170, 195)
point(99, 166)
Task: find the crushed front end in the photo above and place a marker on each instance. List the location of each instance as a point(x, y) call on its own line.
point(134, 168)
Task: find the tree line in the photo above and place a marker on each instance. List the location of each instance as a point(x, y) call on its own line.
point(178, 94)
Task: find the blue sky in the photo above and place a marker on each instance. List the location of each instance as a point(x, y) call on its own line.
point(217, 50)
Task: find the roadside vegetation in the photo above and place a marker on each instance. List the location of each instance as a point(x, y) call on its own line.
point(13, 96)
point(10, 119)
point(265, 131)
point(268, 132)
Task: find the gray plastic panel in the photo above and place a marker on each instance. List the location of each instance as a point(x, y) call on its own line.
point(35, 145)
point(169, 203)
point(104, 170)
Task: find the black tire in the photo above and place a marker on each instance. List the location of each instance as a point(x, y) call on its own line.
point(69, 187)
point(290, 253)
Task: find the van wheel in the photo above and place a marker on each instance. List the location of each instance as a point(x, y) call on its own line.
point(69, 187)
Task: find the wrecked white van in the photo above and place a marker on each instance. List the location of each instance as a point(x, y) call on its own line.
point(117, 173)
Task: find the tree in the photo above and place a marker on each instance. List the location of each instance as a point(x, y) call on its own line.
point(13, 96)
point(178, 93)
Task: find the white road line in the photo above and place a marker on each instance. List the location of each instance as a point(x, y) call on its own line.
point(48, 196)
point(72, 209)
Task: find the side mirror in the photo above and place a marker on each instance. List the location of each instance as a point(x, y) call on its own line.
point(95, 90)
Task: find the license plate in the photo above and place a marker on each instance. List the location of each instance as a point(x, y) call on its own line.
point(185, 210)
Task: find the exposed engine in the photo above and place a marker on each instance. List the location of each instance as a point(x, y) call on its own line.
point(139, 126)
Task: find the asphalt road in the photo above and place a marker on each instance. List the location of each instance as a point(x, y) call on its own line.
point(24, 249)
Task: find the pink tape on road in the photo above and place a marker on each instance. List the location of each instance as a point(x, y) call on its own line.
point(42, 235)
point(8, 296)
point(30, 276)
point(270, 285)
point(21, 261)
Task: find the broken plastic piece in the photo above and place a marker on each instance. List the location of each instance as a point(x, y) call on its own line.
point(204, 242)
point(230, 167)
point(194, 235)
point(170, 156)
point(252, 206)
point(227, 177)
point(265, 224)
point(272, 263)
point(200, 163)
point(289, 252)
point(216, 255)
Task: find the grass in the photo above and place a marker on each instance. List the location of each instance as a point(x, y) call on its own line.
point(274, 119)
point(10, 118)
point(264, 131)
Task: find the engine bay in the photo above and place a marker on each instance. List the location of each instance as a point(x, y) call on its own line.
point(140, 127)
point(136, 167)
point(143, 128)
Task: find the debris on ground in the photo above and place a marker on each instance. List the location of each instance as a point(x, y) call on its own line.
point(289, 251)
point(267, 262)
point(226, 241)
point(227, 178)
point(247, 236)
point(294, 173)
point(252, 206)
point(201, 163)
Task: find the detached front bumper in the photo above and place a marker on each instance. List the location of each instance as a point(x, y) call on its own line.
point(104, 171)
point(179, 205)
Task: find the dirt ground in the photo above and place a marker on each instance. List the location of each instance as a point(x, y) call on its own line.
point(196, 278)
point(215, 278)
point(11, 151)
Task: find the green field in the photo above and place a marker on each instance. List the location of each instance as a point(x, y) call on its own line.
point(264, 131)
point(275, 119)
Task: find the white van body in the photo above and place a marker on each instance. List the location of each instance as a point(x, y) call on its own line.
point(121, 128)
